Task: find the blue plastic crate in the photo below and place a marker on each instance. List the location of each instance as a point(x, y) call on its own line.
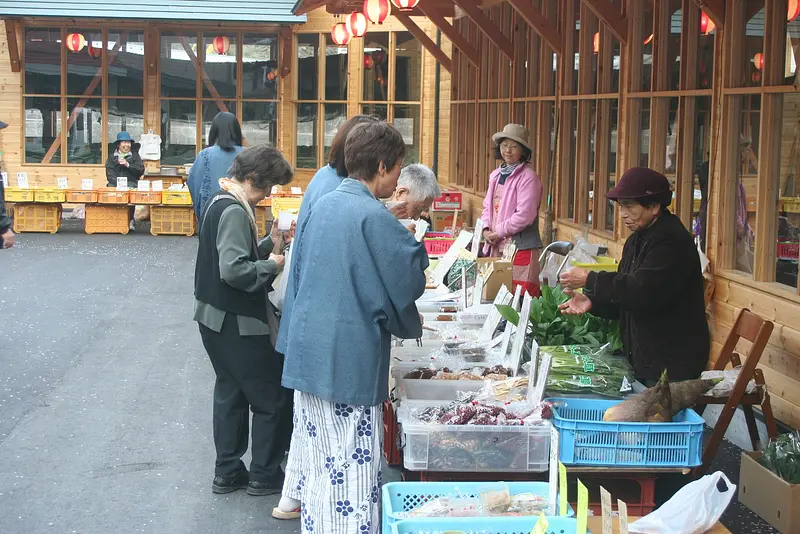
point(401, 497)
point(485, 525)
point(585, 439)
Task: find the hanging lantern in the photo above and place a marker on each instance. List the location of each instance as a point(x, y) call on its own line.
point(94, 51)
point(793, 10)
point(756, 76)
point(339, 34)
point(357, 24)
point(221, 44)
point(596, 42)
point(405, 5)
point(379, 56)
point(706, 24)
point(368, 62)
point(758, 60)
point(271, 75)
point(75, 42)
point(377, 10)
point(648, 40)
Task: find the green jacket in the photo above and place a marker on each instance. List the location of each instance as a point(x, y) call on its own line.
point(5, 220)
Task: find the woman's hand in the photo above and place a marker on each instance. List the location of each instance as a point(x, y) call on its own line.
point(124, 162)
point(276, 236)
point(400, 210)
point(579, 304)
point(279, 260)
point(575, 278)
point(491, 237)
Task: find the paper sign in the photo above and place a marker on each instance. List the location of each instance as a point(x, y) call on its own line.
point(5, 179)
point(476, 295)
point(464, 289)
point(144, 185)
point(274, 190)
point(583, 508)
point(455, 222)
point(553, 474)
point(605, 506)
point(562, 482)
point(157, 185)
point(541, 379)
point(297, 191)
point(522, 328)
point(122, 183)
point(517, 298)
point(22, 180)
point(87, 184)
point(493, 318)
point(63, 183)
point(285, 219)
point(450, 257)
point(422, 228)
point(541, 525)
point(476, 239)
point(510, 327)
point(622, 507)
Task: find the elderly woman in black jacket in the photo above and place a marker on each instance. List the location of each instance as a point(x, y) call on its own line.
point(125, 162)
point(657, 292)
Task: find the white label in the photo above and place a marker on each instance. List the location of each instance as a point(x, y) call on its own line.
point(553, 478)
point(626, 386)
point(274, 190)
point(158, 185)
point(87, 184)
point(122, 183)
point(297, 191)
point(5, 179)
point(22, 180)
point(493, 319)
point(476, 239)
point(510, 327)
point(63, 183)
point(478, 292)
point(622, 506)
point(285, 221)
point(605, 507)
point(519, 338)
point(541, 379)
point(450, 258)
point(422, 228)
point(144, 185)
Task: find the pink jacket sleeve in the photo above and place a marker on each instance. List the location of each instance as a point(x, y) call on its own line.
point(529, 195)
point(488, 201)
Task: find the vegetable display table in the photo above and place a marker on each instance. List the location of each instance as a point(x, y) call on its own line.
point(595, 524)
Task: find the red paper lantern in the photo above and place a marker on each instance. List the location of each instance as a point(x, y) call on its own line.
point(756, 76)
point(405, 5)
point(649, 40)
point(377, 10)
point(706, 24)
point(271, 75)
point(357, 24)
point(758, 60)
point(379, 56)
point(596, 42)
point(221, 44)
point(75, 42)
point(368, 62)
point(339, 34)
point(793, 10)
point(94, 51)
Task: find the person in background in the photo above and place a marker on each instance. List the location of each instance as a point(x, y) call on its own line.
point(212, 163)
point(7, 236)
point(125, 162)
point(232, 280)
point(511, 207)
point(657, 291)
point(416, 187)
point(358, 276)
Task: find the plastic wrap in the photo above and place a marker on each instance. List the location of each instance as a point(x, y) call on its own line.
point(782, 457)
point(579, 369)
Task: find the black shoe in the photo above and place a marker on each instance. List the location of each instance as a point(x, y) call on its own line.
point(230, 482)
point(260, 489)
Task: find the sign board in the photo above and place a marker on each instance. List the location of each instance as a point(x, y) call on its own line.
point(553, 478)
point(478, 291)
point(87, 184)
point(493, 319)
point(157, 185)
point(476, 239)
point(22, 180)
point(450, 257)
point(63, 183)
point(5, 178)
point(622, 507)
point(605, 507)
point(582, 512)
point(510, 327)
point(122, 183)
point(522, 330)
point(143, 185)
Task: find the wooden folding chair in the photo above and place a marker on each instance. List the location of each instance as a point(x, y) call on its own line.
point(757, 331)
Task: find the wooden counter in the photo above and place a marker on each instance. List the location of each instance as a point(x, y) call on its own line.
point(595, 524)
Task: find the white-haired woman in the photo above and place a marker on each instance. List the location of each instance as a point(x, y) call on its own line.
point(416, 188)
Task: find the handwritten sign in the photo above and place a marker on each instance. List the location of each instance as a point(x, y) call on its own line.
point(553, 473)
point(541, 525)
point(476, 239)
point(122, 183)
point(562, 481)
point(5, 179)
point(63, 183)
point(493, 318)
point(622, 506)
point(605, 507)
point(519, 337)
point(158, 185)
point(143, 185)
point(510, 327)
point(297, 191)
point(22, 180)
point(583, 508)
point(87, 184)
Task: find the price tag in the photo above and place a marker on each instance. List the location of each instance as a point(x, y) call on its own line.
point(493, 318)
point(515, 358)
point(541, 525)
point(583, 508)
point(553, 474)
point(585, 380)
point(63, 183)
point(477, 295)
point(297, 191)
point(605, 506)
point(22, 180)
point(5, 179)
point(588, 367)
point(622, 506)
point(562, 481)
point(87, 184)
point(274, 190)
point(476, 239)
point(626, 386)
point(143, 185)
point(158, 185)
point(122, 183)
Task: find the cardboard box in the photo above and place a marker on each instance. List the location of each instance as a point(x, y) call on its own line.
point(443, 220)
point(449, 200)
point(498, 274)
point(776, 501)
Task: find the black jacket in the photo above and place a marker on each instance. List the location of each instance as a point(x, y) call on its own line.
point(5, 221)
point(657, 294)
point(133, 172)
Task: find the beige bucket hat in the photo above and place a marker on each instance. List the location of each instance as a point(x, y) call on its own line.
point(516, 132)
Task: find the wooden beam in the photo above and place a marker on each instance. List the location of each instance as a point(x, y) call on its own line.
point(13, 48)
point(611, 16)
point(458, 40)
point(538, 22)
point(487, 27)
point(310, 5)
point(286, 52)
point(423, 38)
point(206, 80)
point(715, 9)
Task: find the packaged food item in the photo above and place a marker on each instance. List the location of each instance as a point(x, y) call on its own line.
point(495, 498)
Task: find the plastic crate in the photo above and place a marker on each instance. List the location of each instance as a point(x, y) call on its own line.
point(399, 497)
point(172, 220)
point(17, 194)
point(101, 219)
point(261, 220)
point(267, 202)
point(176, 198)
point(81, 196)
point(109, 195)
point(604, 263)
point(49, 195)
point(484, 525)
point(285, 203)
point(145, 197)
point(588, 440)
point(788, 251)
point(438, 246)
point(791, 204)
point(44, 218)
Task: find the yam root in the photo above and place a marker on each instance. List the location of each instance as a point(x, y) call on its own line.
point(685, 394)
point(646, 406)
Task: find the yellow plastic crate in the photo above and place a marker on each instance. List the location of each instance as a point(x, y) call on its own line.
point(104, 219)
point(791, 204)
point(44, 218)
point(176, 198)
point(16, 194)
point(172, 220)
point(49, 195)
point(81, 196)
point(261, 220)
point(604, 263)
point(290, 204)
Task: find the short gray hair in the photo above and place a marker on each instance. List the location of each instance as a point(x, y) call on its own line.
point(420, 182)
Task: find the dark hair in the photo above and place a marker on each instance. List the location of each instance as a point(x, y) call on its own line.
point(225, 132)
point(336, 156)
point(263, 165)
point(370, 144)
point(525, 157)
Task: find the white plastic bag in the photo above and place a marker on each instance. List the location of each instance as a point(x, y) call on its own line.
point(277, 296)
point(695, 509)
point(150, 146)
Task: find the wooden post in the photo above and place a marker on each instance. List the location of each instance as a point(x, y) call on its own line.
point(12, 29)
point(610, 14)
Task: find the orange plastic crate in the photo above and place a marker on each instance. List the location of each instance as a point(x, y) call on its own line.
point(44, 218)
point(145, 197)
point(81, 196)
point(102, 219)
point(172, 220)
point(261, 220)
point(108, 195)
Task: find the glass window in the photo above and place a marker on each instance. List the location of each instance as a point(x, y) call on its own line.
point(259, 66)
point(592, 174)
point(125, 63)
point(219, 65)
point(177, 69)
point(43, 61)
point(612, 164)
point(406, 119)
point(702, 142)
point(178, 131)
point(85, 134)
point(647, 48)
point(615, 63)
point(672, 140)
point(307, 116)
point(674, 47)
point(125, 115)
point(375, 83)
point(644, 134)
point(753, 45)
point(260, 122)
point(792, 53)
point(789, 198)
point(210, 110)
point(380, 111)
point(307, 66)
point(572, 109)
point(576, 40)
point(408, 68)
point(746, 183)
point(42, 129)
point(335, 70)
point(84, 70)
point(335, 116)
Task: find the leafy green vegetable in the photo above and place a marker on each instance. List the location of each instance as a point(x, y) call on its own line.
point(586, 369)
point(782, 457)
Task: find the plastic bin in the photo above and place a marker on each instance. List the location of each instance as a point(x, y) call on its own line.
point(788, 251)
point(172, 220)
point(485, 525)
point(81, 196)
point(176, 198)
point(108, 195)
point(399, 497)
point(45, 218)
point(588, 440)
point(17, 194)
point(49, 195)
point(791, 204)
point(438, 246)
point(604, 263)
point(435, 390)
point(474, 448)
point(101, 219)
point(145, 197)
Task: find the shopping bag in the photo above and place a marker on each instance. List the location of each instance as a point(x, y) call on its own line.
point(277, 296)
point(695, 509)
point(150, 148)
point(141, 213)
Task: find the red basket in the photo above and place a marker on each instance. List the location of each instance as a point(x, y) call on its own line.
point(438, 246)
point(788, 251)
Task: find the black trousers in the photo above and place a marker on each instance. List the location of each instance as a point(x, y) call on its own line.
point(248, 378)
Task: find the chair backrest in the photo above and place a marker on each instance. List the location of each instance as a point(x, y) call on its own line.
point(752, 328)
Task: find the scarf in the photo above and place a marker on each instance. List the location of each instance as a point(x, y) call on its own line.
point(120, 155)
point(237, 191)
point(506, 170)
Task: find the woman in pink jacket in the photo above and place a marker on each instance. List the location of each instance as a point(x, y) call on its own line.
point(511, 207)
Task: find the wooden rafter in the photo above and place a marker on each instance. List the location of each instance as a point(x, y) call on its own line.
point(423, 38)
point(206, 80)
point(611, 16)
point(715, 9)
point(538, 22)
point(458, 40)
point(487, 27)
point(286, 53)
point(13, 48)
point(310, 5)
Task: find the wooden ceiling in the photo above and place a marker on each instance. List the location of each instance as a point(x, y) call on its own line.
point(345, 7)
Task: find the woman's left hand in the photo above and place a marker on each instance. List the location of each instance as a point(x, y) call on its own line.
point(491, 237)
point(575, 278)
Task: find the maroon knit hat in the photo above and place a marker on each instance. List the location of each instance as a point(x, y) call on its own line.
point(642, 184)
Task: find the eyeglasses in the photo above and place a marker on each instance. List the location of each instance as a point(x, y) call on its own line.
point(509, 148)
